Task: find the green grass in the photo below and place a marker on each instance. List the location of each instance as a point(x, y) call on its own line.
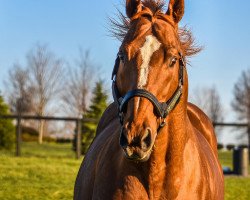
point(236, 188)
point(226, 158)
point(44, 172)
point(48, 172)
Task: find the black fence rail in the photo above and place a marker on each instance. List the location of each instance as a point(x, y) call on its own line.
point(239, 125)
point(78, 122)
point(231, 124)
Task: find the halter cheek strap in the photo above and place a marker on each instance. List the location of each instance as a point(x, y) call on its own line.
point(162, 109)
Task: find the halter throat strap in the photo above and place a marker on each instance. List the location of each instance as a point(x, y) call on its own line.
point(162, 109)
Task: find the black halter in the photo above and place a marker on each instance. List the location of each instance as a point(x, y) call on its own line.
point(162, 108)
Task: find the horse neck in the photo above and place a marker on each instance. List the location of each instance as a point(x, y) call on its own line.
point(165, 167)
point(171, 139)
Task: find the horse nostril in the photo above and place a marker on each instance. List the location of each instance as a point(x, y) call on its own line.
point(146, 139)
point(123, 139)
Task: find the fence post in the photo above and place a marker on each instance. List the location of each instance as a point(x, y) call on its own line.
point(18, 136)
point(240, 161)
point(78, 138)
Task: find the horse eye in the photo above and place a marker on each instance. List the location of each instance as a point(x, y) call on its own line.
point(173, 61)
point(121, 56)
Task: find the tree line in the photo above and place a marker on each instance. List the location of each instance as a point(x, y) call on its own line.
point(47, 84)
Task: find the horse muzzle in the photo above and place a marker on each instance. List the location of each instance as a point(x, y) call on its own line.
point(137, 148)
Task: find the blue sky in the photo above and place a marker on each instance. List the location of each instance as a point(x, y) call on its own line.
point(221, 27)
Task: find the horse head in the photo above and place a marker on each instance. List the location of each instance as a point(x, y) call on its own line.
point(150, 79)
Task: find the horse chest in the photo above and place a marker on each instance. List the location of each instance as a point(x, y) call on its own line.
point(135, 189)
point(144, 185)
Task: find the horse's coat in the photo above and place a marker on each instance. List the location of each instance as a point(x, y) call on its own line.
point(180, 159)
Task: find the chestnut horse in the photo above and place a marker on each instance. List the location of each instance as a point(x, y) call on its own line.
point(156, 145)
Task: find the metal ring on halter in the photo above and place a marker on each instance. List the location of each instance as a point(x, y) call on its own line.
point(162, 122)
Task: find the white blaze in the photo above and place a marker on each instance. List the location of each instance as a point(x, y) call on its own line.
point(147, 50)
point(150, 46)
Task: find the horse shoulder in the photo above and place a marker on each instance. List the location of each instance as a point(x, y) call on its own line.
point(108, 115)
point(202, 168)
point(203, 124)
point(203, 147)
point(89, 172)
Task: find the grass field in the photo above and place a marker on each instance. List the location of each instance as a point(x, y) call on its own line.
point(237, 188)
point(43, 172)
point(48, 171)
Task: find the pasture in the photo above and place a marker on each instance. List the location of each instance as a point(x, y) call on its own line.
point(44, 172)
point(48, 171)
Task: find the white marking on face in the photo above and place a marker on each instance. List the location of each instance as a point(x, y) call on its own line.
point(147, 50)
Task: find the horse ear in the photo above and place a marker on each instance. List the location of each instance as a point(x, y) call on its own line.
point(176, 9)
point(133, 7)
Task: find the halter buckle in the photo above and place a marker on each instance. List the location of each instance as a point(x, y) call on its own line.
point(162, 122)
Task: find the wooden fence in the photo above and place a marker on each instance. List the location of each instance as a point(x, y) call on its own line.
point(78, 122)
point(239, 125)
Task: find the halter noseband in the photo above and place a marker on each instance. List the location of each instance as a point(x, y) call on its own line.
point(162, 108)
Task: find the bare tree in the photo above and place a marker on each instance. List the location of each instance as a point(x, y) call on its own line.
point(215, 110)
point(241, 101)
point(19, 90)
point(208, 100)
point(78, 85)
point(46, 72)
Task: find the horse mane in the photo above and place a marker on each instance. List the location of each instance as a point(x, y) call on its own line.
point(121, 25)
